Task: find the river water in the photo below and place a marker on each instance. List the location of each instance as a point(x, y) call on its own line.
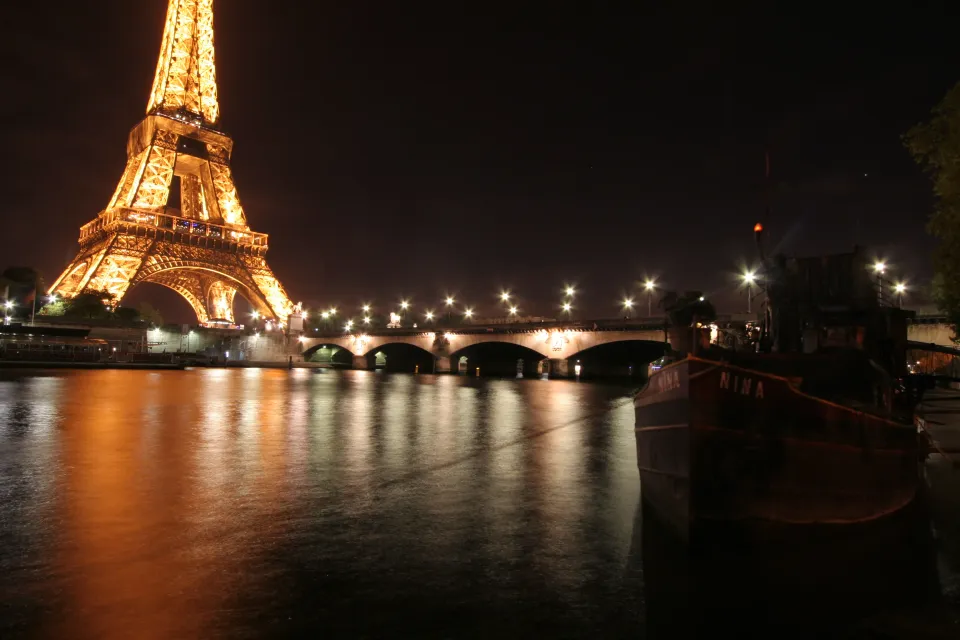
point(216, 503)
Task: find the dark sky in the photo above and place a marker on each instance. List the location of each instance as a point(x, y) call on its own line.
point(413, 148)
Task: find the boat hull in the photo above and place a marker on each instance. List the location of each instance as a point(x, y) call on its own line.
point(721, 443)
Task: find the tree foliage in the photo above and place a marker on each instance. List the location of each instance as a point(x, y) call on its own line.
point(935, 146)
point(683, 309)
point(54, 309)
point(91, 305)
point(150, 315)
point(126, 315)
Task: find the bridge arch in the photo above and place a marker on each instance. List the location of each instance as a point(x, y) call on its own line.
point(586, 342)
point(497, 358)
point(210, 293)
point(400, 355)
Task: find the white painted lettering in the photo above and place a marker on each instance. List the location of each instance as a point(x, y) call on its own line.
point(747, 385)
point(724, 380)
point(759, 395)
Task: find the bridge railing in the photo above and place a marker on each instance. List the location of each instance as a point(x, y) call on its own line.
point(640, 324)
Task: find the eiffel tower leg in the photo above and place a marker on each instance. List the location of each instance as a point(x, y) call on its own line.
point(268, 287)
point(219, 299)
point(109, 265)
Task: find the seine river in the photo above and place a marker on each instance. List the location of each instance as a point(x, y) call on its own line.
point(218, 503)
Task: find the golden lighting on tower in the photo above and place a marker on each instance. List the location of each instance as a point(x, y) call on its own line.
point(201, 247)
point(186, 77)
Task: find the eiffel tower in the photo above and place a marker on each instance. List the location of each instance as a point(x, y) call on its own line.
point(175, 218)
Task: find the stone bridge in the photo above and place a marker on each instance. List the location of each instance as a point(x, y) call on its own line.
point(556, 344)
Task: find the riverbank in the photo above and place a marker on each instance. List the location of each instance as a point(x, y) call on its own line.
point(27, 364)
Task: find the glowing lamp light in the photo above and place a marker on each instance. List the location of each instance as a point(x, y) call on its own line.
point(702, 298)
point(505, 296)
point(468, 312)
point(570, 291)
point(649, 285)
point(255, 315)
point(404, 304)
point(757, 228)
point(348, 325)
point(428, 315)
point(900, 287)
point(325, 315)
point(366, 320)
point(749, 277)
point(513, 311)
point(8, 304)
point(52, 297)
point(333, 311)
point(628, 303)
point(449, 301)
point(366, 308)
point(879, 266)
point(567, 306)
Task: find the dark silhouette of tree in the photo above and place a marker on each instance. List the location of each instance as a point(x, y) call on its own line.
point(91, 305)
point(22, 285)
point(126, 315)
point(150, 315)
point(683, 309)
point(935, 146)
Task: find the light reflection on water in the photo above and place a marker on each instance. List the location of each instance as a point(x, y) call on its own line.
point(272, 503)
point(232, 503)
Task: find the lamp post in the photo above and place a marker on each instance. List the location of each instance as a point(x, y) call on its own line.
point(448, 304)
point(628, 306)
point(879, 267)
point(900, 287)
point(649, 285)
point(748, 279)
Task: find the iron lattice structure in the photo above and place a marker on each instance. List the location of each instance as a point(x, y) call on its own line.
point(199, 246)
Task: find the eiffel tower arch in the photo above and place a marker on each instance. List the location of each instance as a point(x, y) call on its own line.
point(175, 218)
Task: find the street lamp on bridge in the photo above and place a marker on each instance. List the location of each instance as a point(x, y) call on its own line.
point(628, 306)
point(900, 287)
point(878, 268)
point(649, 286)
point(449, 302)
point(749, 278)
point(428, 315)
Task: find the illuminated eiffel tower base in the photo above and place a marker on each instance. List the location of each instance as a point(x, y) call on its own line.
point(175, 218)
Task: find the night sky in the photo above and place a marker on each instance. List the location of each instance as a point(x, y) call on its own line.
point(410, 148)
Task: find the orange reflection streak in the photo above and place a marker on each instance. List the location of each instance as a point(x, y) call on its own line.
point(171, 484)
point(118, 521)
